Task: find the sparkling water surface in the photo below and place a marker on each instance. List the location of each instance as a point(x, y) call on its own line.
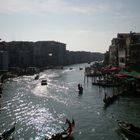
point(40, 111)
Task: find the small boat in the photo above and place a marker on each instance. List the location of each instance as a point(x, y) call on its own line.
point(44, 82)
point(110, 99)
point(65, 134)
point(6, 134)
point(36, 77)
point(129, 128)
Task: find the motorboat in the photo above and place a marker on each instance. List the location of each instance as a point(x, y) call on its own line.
point(44, 82)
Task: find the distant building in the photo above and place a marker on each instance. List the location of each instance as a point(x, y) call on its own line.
point(83, 57)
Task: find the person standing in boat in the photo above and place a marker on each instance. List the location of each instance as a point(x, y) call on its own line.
point(80, 88)
point(71, 125)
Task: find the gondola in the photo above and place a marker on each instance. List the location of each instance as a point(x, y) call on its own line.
point(80, 89)
point(36, 77)
point(129, 128)
point(65, 134)
point(6, 134)
point(110, 99)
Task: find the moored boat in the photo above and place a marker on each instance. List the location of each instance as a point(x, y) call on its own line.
point(129, 128)
point(105, 84)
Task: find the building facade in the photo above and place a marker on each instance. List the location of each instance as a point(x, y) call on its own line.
point(113, 52)
point(47, 53)
point(42, 54)
point(124, 51)
point(134, 60)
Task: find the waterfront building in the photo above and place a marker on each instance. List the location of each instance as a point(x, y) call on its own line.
point(134, 60)
point(106, 58)
point(44, 54)
point(124, 51)
point(113, 52)
point(20, 54)
point(49, 53)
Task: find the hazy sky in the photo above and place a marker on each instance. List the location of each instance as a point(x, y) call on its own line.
point(87, 25)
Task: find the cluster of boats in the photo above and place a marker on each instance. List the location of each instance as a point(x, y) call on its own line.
point(104, 83)
point(127, 128)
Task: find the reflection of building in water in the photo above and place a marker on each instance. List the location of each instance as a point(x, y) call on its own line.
point(3, 60)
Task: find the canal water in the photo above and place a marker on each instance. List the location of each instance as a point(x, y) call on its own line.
point(40, 111)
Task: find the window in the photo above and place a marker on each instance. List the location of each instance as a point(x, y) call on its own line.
point(122, 60)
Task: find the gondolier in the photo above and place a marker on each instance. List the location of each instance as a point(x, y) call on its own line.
point(65, 133)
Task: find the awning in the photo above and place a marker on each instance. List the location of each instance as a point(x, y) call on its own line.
point(131, 79)
point(133, 74)
point(111, 69)
point(121, 75)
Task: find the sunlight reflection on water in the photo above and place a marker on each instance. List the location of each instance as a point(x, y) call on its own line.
point(40, 111)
